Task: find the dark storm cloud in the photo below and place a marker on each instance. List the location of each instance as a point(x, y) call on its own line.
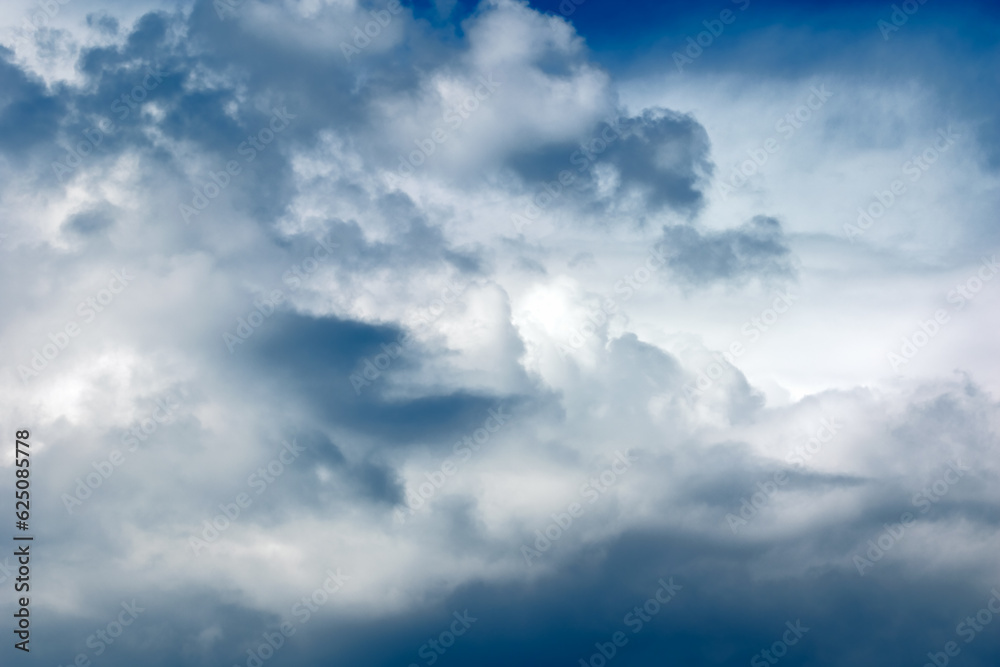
point(728, 472)
point(349, 483)
point(218, 81)
point(723, 614)
point(737, 596)
point(756, 249)
point(312, 358)
point(413, 240)
point(660, 156)
point(664, 155)
point(92, 221)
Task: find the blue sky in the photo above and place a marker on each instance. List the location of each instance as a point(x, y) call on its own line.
point(459, 333)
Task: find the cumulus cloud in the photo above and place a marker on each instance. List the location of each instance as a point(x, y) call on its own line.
point(374, 325)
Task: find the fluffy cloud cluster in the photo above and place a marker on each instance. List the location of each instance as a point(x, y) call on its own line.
point(339, 325)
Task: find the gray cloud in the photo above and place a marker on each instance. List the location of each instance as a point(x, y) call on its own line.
point(755, 249)
point(362, 256)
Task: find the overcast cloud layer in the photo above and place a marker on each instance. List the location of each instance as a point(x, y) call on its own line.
point(503, 333)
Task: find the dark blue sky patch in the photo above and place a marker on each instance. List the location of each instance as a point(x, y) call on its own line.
point(29, 115)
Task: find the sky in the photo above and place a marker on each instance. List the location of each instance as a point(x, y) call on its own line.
point(453, 333)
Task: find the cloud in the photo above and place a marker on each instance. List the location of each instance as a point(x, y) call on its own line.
point(400, 298)
point(755, 249)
